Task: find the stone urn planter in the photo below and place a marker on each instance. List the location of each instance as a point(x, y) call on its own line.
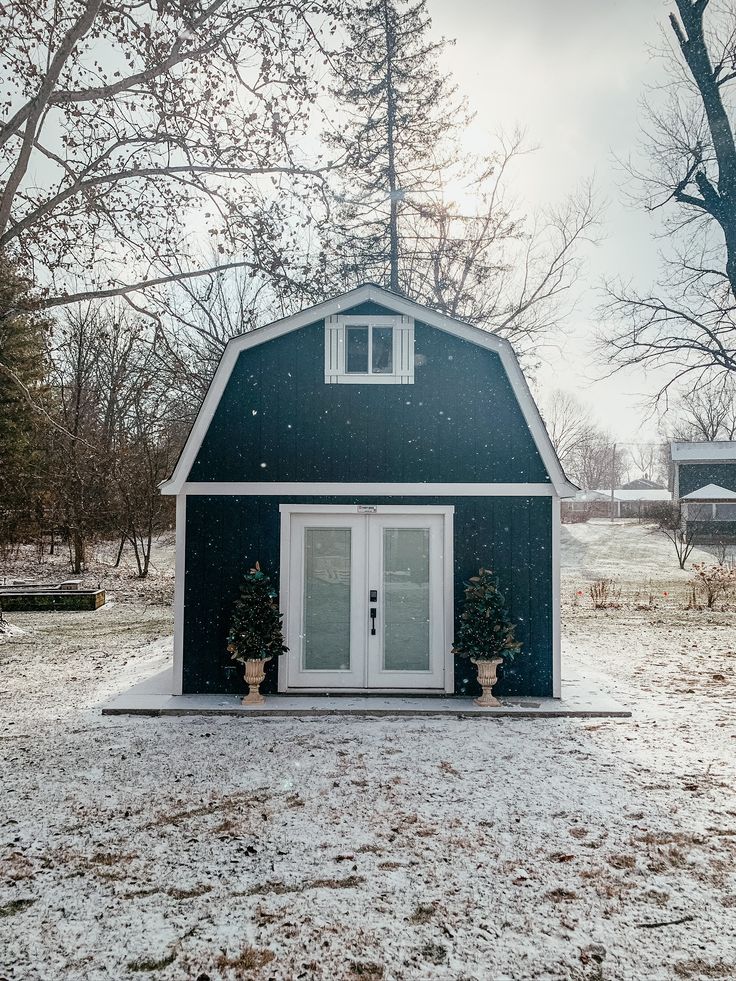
point(487, 678)
point(255, 672)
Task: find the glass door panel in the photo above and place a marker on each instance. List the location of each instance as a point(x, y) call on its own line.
point(326, 608)
point(326, 641)
point(406, 636)
point(406, 575)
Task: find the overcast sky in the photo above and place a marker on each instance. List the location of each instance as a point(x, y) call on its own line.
point(572, 74)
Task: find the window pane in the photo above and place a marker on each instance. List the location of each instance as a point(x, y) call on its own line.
point(383, 345)
point(725, 512)
point(356, 357)
point(326, 599)
point(406, 599)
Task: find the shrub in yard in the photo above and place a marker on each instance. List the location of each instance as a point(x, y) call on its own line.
point(713, 581)
point(605, 594)
point(255, 628)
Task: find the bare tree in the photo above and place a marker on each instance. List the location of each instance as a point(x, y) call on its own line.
point(482, 260)
point(708, 413)
point(686, 323)
point(670, 521)
point(569, 426)
point(129, 125)
point(415, 212)
point(586, 451)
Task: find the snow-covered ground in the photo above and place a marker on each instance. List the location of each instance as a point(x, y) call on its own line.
point(215, 848)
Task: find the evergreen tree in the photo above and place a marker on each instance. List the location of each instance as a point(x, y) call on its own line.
point(415, 211)
point(398, 108)
point(485, 628)
point(22, 360)
point(255, 627)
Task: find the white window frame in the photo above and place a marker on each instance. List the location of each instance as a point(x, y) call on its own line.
point(336, 351)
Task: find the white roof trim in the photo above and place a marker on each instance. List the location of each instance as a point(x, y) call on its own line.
point(715, 451)
point(711, 492)
point(364, 294)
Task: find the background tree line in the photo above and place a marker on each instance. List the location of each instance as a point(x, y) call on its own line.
point(173, 173)
point(162, 189)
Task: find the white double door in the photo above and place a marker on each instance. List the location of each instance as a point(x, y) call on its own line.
point(365, 603)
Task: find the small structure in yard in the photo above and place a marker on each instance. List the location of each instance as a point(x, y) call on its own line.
point(371, 454)
point(638, 499)
point(67, 595)
point(704, 479)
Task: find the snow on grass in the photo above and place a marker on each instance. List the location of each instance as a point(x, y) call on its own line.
point(365, 848)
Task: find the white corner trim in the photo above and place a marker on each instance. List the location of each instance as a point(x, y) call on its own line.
point(179, 588)
point(328, 489)
point(282, 682)
point(400, 305)
point(448, 565)
point(556, 601)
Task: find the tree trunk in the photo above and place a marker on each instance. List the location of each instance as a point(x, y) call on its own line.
point(393, 183)
point(79, 551)
point(120, 552)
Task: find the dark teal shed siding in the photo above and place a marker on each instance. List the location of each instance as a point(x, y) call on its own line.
point(693, 476)
point(278, 420)
point(227, 534)
point(713, 532)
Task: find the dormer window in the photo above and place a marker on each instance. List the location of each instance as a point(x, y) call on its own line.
point(369, 350)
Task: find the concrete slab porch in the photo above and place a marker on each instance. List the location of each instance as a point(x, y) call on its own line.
point(153, 697)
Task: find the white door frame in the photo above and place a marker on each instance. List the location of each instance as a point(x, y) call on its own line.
point(446, 512)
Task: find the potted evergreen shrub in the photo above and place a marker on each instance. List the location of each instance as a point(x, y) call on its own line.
point(255, 630)
point(486, 633)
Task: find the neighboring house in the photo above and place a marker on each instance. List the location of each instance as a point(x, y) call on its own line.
point(629, 501)
point(704, 479)
point(372, 455)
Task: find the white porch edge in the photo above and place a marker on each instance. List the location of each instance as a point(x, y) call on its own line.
point(348, 489)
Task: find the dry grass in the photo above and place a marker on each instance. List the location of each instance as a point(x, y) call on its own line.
point(15, 906)
point(423, 913)
point(698, 968)
point(283, 888)
point(247, 959)
point(366, 969)
point(151, 964)
point(175, 893)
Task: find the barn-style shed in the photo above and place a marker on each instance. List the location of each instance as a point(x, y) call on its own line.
point(371, 454)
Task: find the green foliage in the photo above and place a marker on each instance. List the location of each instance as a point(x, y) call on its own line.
point(22, 362)
point(255, 626)
point(485, 628)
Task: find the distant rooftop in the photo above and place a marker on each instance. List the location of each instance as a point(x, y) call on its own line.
point(624, 494)
point(643, 483)
point(713, 452)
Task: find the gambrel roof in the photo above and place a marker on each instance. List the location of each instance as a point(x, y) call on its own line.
point(402, 306)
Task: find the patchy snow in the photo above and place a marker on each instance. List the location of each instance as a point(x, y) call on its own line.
point(8, 629)
point(401, 848)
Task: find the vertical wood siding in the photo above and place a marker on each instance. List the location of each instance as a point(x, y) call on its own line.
point(279, 421)
point(225, 535)
point(693, 476)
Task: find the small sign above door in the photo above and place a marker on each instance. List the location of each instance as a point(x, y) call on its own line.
point(367, 509)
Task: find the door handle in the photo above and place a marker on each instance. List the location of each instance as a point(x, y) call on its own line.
point(373, 620)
